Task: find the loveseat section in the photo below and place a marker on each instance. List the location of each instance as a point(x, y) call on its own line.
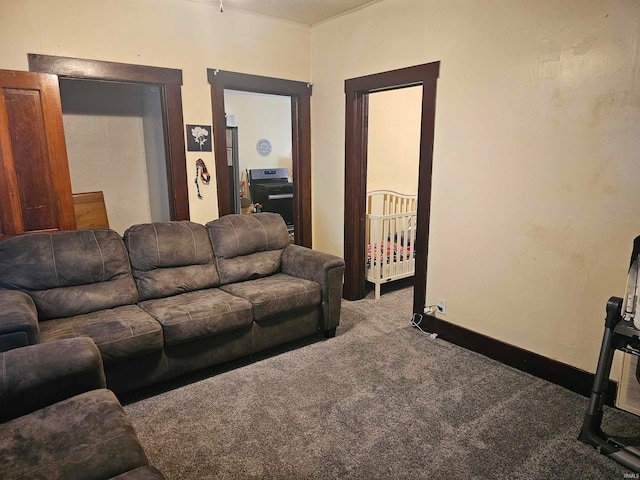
point(289, 301)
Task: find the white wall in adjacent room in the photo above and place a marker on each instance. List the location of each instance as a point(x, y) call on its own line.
point(261, 116)
point(393, 147)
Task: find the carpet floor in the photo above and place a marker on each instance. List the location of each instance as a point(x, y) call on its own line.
point(380, 400)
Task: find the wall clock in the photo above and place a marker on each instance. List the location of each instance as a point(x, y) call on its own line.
point(263, 147)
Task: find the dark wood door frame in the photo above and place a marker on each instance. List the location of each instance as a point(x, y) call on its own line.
point(357, 91)
point(300, 94)
point(168, 80)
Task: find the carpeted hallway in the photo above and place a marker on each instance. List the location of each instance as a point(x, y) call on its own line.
point(380, 400)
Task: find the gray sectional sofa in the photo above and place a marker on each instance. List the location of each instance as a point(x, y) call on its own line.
point(57, 420)
point(168, 298)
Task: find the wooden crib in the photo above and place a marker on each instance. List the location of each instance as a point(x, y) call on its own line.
point(391, 233)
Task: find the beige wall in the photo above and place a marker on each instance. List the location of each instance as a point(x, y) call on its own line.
point(393, 148)
point(191, 35)
point(536, 185)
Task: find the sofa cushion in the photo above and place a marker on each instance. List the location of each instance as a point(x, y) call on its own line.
point(119, 333)
point(277, 294)
point(69, 273)
point(195, 315)
point(169, 258)
point(87, 436)
point(248, 246)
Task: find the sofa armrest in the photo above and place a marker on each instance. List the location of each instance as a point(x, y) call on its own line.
point(40, 375)
point(323, 268)
point(18, 320)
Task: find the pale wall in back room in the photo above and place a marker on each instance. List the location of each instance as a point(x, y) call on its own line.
point(257, 117)
point(536, 195)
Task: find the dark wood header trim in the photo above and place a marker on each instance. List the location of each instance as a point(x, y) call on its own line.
point(393, 79)
point(99, 70)
point(258, 84)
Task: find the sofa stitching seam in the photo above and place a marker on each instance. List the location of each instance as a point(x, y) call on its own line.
point(195, 245)
point(104, 271)
point(157, 243)
point(53, 257)
point(122, 339)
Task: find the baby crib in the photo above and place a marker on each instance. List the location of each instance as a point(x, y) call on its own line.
point(391, 233)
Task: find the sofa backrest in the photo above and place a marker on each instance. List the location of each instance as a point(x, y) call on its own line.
point(69, 273)
point(248, 246)
point(169, 258)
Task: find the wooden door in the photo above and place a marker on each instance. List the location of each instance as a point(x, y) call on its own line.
point(35, 187)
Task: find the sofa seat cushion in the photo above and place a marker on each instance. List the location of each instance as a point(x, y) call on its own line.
point(119, 333)
point(277, 294)
point(87, 436)
point(195, 315)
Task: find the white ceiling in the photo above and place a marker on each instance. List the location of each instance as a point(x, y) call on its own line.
point(308, 12)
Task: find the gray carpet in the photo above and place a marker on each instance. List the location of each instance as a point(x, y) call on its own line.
point(381, 400)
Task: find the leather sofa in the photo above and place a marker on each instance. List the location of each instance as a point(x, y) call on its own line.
point(168, 298)
point(57, 420)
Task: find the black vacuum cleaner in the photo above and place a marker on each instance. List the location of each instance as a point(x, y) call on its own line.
point(621, 332)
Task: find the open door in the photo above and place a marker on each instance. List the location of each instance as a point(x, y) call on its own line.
point(35, 188)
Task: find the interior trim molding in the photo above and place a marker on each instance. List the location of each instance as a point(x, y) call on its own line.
point(300, 94)
point(357, 92)
point(168, 80)
point(556, 372)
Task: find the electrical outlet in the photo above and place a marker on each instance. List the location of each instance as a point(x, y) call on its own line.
point(442, 306)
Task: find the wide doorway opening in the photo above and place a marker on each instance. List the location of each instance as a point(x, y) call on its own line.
point(115, 147)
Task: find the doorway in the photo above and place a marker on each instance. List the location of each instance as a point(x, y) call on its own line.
point(262, 120)
point(115, 146)
point(357, 92)
point(299, 94)
point(167, 81)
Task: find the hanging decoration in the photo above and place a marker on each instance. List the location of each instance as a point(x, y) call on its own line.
point(203, 174)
